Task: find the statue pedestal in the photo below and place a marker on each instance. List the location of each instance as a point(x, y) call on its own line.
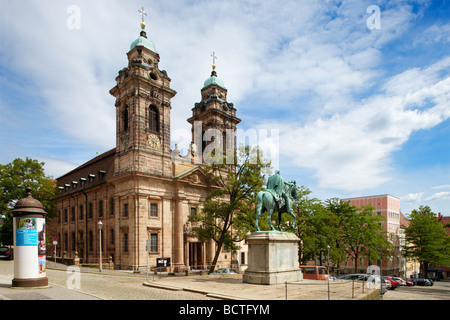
point(272, 258)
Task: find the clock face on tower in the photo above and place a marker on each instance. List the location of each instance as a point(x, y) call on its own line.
point(153, 141)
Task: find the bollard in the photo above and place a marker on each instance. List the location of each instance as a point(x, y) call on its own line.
point(29, 243)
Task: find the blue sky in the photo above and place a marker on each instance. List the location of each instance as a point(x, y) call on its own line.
point(351, 111)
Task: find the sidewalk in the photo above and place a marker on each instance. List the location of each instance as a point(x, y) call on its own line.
point(51, 292)
point(223, 287)
point(231, 287)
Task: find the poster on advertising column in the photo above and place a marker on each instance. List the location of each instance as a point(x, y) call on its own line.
point(40, 227)
point(26, 232)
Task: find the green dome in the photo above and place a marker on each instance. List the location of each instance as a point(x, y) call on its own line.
point(144, 42)
point(214, 80)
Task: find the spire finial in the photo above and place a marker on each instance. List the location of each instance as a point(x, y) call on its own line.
point(143, 14)
point(214, 57)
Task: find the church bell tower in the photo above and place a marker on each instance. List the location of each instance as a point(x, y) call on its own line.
point(143, 106)
point(213, 119)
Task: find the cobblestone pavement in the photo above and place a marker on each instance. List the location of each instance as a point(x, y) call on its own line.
point(64, 285)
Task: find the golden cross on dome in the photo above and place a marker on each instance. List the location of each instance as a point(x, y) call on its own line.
point(214, 57)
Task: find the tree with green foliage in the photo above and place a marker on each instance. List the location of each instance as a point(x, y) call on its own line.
point(228, 213)
point(425, 239)
point(316, 227)
point(361, 233)
point(14, 177)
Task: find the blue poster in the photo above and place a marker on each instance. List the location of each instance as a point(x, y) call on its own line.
point(26, 232)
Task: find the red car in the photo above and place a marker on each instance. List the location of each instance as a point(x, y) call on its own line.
point(394, 284)
point(409, 282)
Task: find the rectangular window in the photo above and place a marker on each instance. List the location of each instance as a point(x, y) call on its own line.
point(72, 240)
point(100, 208)
point(91, 241)
point(193, 211)
point(91, 210)
point(153, 242)
point(242, 257)
point(72, 214)
point(125, 242)
point(80, 212)
point(125, 209)
point(111, 204)
point(153, 210)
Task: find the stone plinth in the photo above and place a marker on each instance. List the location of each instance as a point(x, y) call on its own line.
point(272, 258)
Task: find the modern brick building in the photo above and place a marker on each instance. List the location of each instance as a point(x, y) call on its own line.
point(387, 206)
point(141, 190)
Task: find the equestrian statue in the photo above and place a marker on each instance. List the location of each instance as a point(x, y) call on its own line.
point(277, 197)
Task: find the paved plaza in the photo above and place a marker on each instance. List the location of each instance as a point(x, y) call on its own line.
point(89, 284)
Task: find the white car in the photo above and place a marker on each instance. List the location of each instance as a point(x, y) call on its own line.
point(400, 281)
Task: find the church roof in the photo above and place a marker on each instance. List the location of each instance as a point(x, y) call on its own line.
point(94, 172)
point(144, 42)
point(214, 80)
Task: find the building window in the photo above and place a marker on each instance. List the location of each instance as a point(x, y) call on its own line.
point(111, 204)
point(72, 214)
point(125, 209)
point(72, 240)
point(91, 241)
point(153, 210)
point(65, 215)
point(125, 118)
point(125, 242)
point(153, 242)
point(112, 236)
point(66, 242)
point(153, 120)
point(242, 257)
point(193, 211)
point(100, 208)
point(91, 210)
point(80, 212)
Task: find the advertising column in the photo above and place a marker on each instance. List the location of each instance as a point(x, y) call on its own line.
point(29, 243)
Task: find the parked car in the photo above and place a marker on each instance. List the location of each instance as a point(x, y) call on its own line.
point(394, 284)
point(400, 281)
point(5, 253)
point(423, 282)
point(353, 276)
point(376, 279)
point(224, 271)
point(410, 282)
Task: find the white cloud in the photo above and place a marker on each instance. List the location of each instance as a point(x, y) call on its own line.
point(444, 186)
point(412, 197)
point(439, 196)
point(317, 52)
point(351, 150)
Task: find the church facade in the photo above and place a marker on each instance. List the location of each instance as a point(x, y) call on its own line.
point(142, 191)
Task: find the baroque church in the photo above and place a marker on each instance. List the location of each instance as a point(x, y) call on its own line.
point(141, 190)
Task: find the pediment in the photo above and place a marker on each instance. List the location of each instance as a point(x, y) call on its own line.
point(196, 176)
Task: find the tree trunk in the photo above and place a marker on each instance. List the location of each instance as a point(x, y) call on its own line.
point(216, 257)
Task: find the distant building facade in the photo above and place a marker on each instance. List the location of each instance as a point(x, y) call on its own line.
point(387, 206)
point(141, 190)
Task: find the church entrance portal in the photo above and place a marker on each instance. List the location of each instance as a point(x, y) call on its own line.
point(195, 255)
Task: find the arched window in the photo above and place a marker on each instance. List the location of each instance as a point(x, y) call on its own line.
point(153, 118)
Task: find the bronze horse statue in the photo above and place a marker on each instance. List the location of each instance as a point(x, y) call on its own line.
point(265, 201)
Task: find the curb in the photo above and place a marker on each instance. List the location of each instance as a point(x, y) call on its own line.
point(208, 294)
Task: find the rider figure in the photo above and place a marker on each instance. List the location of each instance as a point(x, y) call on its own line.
point(276, 185)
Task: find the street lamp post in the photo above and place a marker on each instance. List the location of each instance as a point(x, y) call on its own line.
point(328, 253)
point(100, 224)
